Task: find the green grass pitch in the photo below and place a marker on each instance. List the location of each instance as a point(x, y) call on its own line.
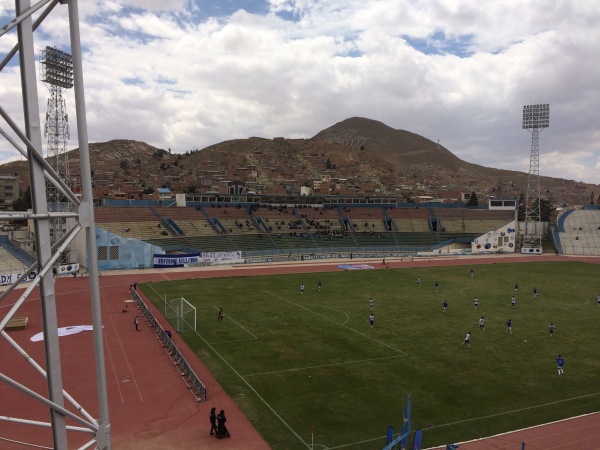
point(292, 361)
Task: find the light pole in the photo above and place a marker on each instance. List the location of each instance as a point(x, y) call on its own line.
point(56, 71)
point(535, 119)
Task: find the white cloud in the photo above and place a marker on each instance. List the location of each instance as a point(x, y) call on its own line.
point(165, 73)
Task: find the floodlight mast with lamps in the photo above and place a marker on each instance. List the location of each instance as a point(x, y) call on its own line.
point(535, 118)
point(56, 71)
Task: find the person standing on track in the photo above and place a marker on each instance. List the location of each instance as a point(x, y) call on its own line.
point(213, 421)
point(223, 431)
point(136, 322)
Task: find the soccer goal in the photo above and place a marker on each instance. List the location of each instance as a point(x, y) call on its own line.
point(181, 314)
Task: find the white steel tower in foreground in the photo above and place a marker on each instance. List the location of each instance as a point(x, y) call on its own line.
point(25, 136)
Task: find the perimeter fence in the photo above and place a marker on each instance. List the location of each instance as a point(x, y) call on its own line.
point(190, 378)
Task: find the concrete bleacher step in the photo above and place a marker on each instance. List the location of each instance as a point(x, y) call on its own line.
point(581, 235)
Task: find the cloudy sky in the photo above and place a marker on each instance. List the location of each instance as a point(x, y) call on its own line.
point(185, 74)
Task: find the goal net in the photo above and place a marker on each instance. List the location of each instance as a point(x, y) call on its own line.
point(181, 314)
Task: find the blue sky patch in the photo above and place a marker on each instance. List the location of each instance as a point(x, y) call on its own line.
point(133, 81)
point(224, 8)
point(439, 44)
point(288, 16)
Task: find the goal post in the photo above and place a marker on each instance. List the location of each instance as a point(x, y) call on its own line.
point(181, 314)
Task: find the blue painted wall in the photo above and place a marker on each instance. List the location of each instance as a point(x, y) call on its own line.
point(133, 254)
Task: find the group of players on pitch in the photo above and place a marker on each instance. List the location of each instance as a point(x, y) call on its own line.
point(467, 342)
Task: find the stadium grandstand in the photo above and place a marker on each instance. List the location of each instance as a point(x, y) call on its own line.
point(577, 231)
point(257, 229)
point(14, 261)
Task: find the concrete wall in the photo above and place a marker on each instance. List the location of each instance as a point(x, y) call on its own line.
point(503, 239)
point(120, 252)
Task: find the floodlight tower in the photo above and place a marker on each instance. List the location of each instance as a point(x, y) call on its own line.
point(535, 119)
point(56, 71)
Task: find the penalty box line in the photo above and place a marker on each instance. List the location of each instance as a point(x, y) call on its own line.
point(239, 325)
point(260, 397)
point(527, 408)
point(253, 338)
point(297, 369)
point(338, 324)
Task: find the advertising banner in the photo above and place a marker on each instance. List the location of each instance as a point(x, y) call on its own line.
point(10, 278)
point(176, 260)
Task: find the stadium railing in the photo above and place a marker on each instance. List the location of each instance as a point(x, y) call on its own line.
point(190, 378)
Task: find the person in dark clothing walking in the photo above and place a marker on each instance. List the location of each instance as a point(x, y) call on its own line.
point(221, 314)
point(213, 421)
point(221, 419)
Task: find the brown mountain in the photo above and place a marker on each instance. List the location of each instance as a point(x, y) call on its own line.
point(397, 147)
point(360, 156)
point(403, 149)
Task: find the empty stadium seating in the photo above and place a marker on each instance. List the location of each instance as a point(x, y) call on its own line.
point(579, 231)
point(12, 258)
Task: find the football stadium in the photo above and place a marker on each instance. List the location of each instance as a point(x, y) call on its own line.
point(295, 353)
point(362, 289)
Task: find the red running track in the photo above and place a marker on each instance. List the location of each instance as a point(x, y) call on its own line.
point(149, 405)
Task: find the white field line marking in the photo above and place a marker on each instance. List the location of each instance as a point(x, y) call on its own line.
point(10, 305)
point(24, 443)
point(233, 340)
point(337, 310)
point(297, 369)
point(462, 291)
point(250, 386)
point(513, 411)
point(352, 444)
point(530, 428)
point(152, 287)
point(107, 347)
point(122, 351)
point(281, 419)
point(238, 324)
point(337, 323)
